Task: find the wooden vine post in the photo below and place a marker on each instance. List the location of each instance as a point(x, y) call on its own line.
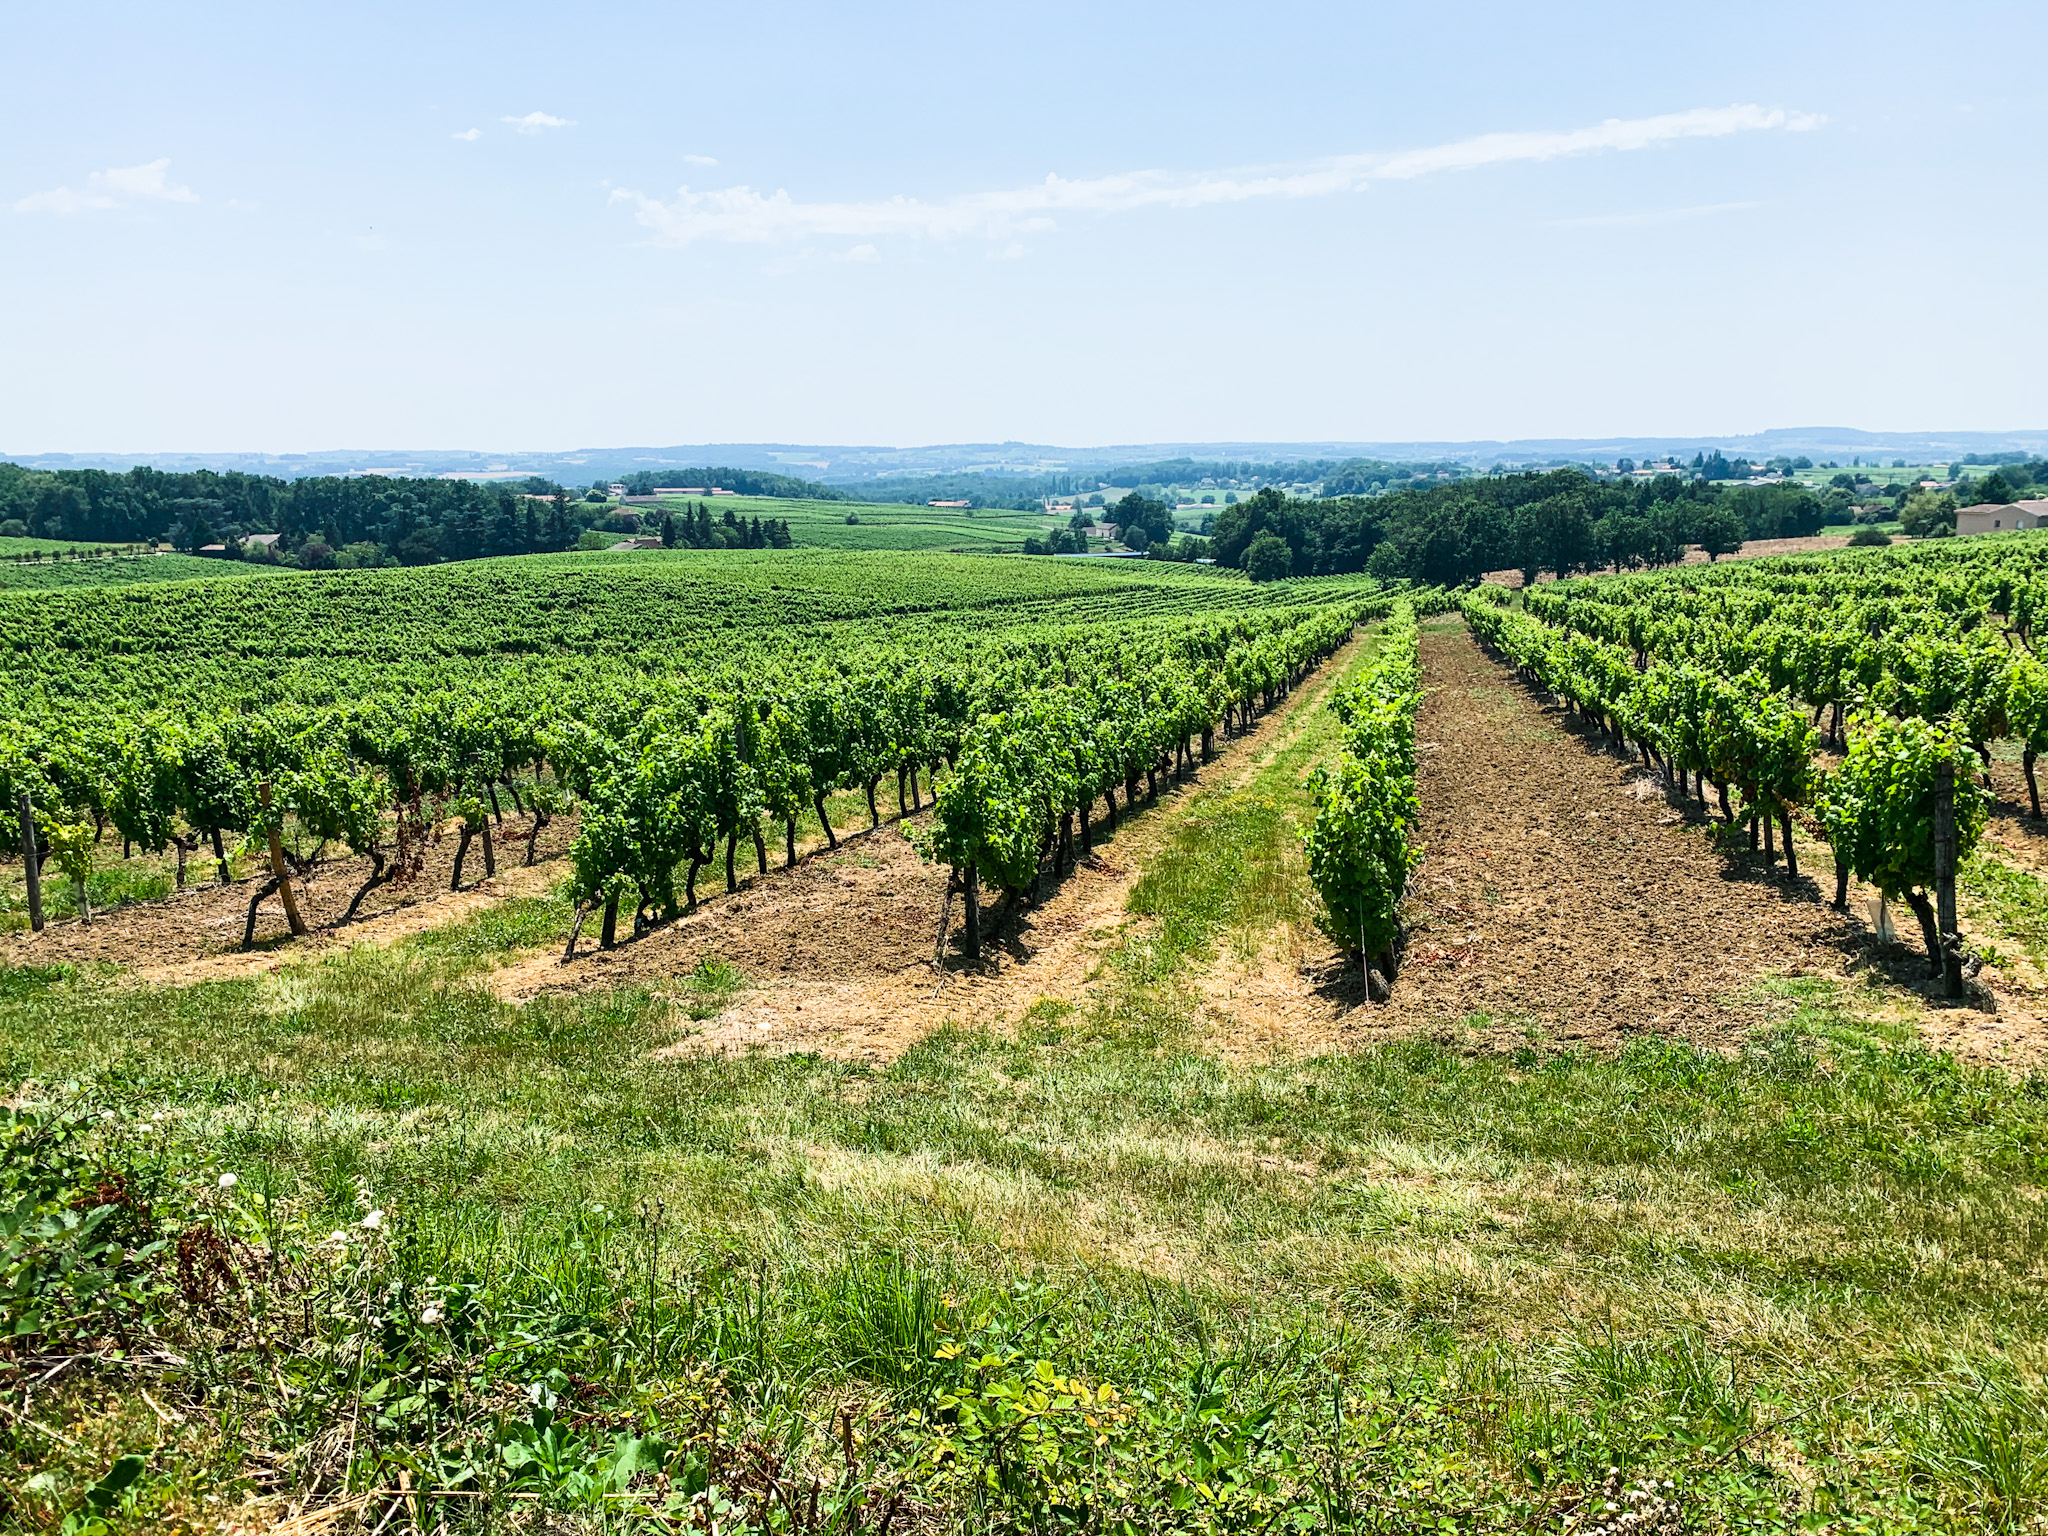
point(277, 868)
point(1945, 877)
point(28, 863)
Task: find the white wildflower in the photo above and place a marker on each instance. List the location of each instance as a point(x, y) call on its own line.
point(228, 1181)
point(374, 1220)
point(432, 1315)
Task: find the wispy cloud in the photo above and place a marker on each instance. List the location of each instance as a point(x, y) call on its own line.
point(111, 189)
point(538, 122)
point(699, 160)
point(741, 214)
point(1649, 216)
point(468, 135)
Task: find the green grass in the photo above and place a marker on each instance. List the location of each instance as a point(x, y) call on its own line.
point(1554, 1265)
point(11, 547)
point(113, 883)
point(2009, 905)
point(1234, 863)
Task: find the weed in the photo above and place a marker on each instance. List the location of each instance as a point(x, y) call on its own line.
point(710, 987)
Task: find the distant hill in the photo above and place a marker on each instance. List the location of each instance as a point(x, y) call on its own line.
point(867, 470)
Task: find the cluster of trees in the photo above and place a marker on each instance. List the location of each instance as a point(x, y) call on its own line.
point(1026, 492)
point(1711, 464)
point(341, 522)
point(1143, 523)
point(2008, 483)
point(1563, 521)
point(369, 519)
point(693, 528)
point(748, 482)
point(1061, 541)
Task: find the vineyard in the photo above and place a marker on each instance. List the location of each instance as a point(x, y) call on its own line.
point(806, 1041)
point(673, 708)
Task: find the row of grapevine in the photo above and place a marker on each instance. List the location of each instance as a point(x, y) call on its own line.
point(1878, 808)
point(1362, 848)
point(1946, 633)
point(559, 621)
point(1023, 774)
point(663, 769)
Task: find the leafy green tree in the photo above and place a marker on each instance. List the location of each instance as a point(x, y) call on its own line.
point(1145, 516)
point(1995, 490)
point(1926, 511)
point(1268, 558)
point(1718, 530)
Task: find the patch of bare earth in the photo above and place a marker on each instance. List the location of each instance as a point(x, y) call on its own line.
point(1555, 899)
point(196, 934)
point(1564, 900)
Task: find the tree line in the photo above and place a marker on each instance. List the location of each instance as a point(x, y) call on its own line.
point(693, 528)
point(1562, 521)
point(748, 482)
point(347, 522)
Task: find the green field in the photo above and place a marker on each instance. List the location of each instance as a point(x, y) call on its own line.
point(884, 525)
point(569, 617)
point(1880, 474)
point(121, 570)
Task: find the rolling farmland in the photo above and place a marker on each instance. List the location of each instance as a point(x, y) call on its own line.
point(890, 1038)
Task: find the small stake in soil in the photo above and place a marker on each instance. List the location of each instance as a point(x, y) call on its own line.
point(28, 863)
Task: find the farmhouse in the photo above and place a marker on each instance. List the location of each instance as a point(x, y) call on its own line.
point(949, 503)
point(1989, 517)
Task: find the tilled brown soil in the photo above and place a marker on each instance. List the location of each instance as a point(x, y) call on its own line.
point(1561, 898)
point(869, 909)
point(196, 933)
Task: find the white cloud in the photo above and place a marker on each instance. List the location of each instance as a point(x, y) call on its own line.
point(741, 214)
point(862, 252)
point(110, 189)
point(538, 122)
point(468, 135)
point(698, 160)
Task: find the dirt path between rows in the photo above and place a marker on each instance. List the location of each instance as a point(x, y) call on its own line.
point(1564, 900)
point(839, 950)
point(196, 934)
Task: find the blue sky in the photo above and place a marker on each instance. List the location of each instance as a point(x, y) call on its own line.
point(542, 226)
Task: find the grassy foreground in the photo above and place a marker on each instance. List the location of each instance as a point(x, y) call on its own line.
point(359, 1228)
